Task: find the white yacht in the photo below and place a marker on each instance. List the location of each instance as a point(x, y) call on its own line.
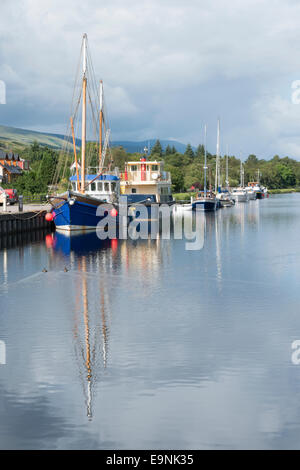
point(240, 195)
point(225, 199)
point(251, 193)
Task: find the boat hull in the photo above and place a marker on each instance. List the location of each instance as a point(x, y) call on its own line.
point(240, 197)
point(260, 195)
point(251, 196)
point(226, 202)
point(79, 214)
point(205, 205)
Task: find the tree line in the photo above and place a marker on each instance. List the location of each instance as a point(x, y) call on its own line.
point(186, 168)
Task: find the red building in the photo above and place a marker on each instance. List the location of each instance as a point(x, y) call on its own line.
point(11, 166)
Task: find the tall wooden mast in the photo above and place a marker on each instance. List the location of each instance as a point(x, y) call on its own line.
point(227, 178)
point(83, 130)
point(100, 123)
point(217, 176)
point(205, 162)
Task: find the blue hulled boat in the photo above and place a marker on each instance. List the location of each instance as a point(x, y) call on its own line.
point(76, 209)
point(205, 202)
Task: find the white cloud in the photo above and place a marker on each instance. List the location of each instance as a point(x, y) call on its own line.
point(278, 121)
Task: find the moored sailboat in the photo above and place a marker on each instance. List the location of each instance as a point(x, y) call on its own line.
point(77, 208)
point(240, 194)
point(206, 200)
point(224, 196)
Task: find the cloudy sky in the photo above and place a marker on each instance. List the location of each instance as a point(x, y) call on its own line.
point(168, 67)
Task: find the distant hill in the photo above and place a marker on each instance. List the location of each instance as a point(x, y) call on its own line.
point(12, 138)
point(132, 147)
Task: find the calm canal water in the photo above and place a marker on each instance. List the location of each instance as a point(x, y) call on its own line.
point(146, 345)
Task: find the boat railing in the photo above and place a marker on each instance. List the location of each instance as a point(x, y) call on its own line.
point(106, 171)
point(141, 176)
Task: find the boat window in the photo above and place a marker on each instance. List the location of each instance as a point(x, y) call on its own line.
point(154, 167)
point(133, 168)
point(93, 187)
point(100, 187)
point(113, 186)
point(106, 187)
point(133, 190)
point(74, 186)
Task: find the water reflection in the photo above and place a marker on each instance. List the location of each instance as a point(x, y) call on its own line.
point(91, 262)
point(143, 343)
point(90, 329)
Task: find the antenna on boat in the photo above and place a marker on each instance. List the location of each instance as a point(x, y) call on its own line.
point(83, 128)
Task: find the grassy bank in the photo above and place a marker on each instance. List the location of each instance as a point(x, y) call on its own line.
point(284, 191)
point(183, 196)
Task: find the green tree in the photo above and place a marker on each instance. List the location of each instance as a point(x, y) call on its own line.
point(157, 149)
point(199, 154)
point(168, 150)
point(175, 159)
point(189, 153)
point(177, 178)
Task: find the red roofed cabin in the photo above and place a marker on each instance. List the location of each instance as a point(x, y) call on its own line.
point(11, 166)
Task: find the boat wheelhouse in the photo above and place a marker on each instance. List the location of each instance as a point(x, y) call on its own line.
point(104, 187)
point(146, 180)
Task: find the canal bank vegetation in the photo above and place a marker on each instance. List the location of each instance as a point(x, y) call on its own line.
point(284, 191)
point(48, 165)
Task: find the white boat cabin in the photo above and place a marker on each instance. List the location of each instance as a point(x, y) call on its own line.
point(104, 187)
point(146, 177)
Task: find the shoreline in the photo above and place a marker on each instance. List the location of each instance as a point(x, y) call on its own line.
point(284, 191)
point(186, 197)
